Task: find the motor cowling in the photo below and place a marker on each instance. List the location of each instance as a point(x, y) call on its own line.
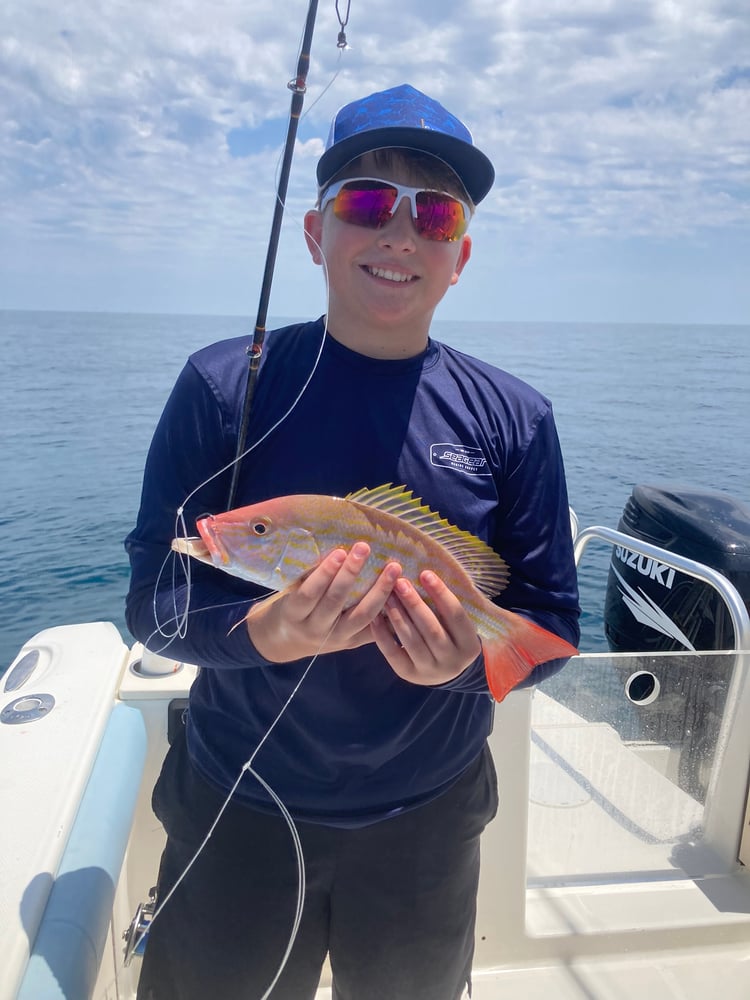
point(650, 607)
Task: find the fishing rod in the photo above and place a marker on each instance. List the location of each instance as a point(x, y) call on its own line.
point(255, 350)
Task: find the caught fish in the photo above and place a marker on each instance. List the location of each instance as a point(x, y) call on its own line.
point(275, 543)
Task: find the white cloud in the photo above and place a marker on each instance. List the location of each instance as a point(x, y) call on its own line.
point(148, 130)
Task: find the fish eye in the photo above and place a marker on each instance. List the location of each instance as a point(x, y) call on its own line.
point(261, 527)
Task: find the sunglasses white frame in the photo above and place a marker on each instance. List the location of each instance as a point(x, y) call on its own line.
point(402, 191)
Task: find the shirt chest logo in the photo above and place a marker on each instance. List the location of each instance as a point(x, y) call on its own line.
point(459, 457)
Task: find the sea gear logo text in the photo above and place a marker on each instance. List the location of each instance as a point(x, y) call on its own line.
point(460, 458)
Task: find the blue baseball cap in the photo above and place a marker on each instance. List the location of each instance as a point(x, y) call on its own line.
point(405, 118)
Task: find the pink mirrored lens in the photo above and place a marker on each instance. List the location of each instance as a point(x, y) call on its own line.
point(362, 203)
point(364, 206)
point(440, 217)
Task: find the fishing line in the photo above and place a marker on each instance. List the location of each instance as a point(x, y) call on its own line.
point(180, 620)
point(196, 611)
point(298, 88)
point(180, 526)
point(281, 172)
point(299, 855)
point(180, 617)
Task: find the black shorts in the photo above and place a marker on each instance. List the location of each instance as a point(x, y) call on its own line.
point(393, 904)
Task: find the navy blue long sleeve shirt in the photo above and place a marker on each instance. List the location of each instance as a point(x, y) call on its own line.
point(478, 445)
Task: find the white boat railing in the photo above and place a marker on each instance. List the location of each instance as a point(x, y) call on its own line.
point(727, 794)
point(727, 590)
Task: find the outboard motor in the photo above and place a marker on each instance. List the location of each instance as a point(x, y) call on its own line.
point(649, 607)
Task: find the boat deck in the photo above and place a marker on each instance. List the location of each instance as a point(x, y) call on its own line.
point(614, 870)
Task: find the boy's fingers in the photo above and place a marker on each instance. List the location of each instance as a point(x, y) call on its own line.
point(373, 602)
point(338, 593)
point(409, 616)
point(449, 609)
point(330, 583)
point(427, 646)
point(327, 591)
point(390, 647)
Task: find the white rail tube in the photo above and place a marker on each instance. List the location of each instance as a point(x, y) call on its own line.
point(727, 794)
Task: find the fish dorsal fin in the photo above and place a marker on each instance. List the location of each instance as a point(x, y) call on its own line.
point(485, 567)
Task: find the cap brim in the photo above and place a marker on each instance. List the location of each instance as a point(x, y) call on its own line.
point(472, 166)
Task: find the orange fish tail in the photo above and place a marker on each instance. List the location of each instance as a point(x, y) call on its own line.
point(509, 659)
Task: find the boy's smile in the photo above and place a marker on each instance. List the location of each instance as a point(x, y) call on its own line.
point(384, 284)
point(379, 272)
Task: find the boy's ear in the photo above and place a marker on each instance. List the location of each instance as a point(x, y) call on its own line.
point(463, 257)
point(314, 234)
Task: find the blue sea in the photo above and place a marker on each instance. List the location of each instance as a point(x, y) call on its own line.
point(80, 394)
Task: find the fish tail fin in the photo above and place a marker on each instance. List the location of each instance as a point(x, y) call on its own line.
point(509, 658)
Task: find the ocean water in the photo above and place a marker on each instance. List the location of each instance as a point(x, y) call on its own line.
point(80, 394)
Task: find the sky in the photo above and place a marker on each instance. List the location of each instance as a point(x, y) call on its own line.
point(141, 143)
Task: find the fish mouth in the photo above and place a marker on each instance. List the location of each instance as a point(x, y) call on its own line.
point(215, 549)
point(196, 548)
point(205, 547)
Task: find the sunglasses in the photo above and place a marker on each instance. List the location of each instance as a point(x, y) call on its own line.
point(371, 202)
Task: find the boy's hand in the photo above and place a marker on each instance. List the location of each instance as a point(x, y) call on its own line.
point(310, 618)
point(421, 645)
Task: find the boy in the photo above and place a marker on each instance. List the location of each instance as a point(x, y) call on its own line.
point(381, 755)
